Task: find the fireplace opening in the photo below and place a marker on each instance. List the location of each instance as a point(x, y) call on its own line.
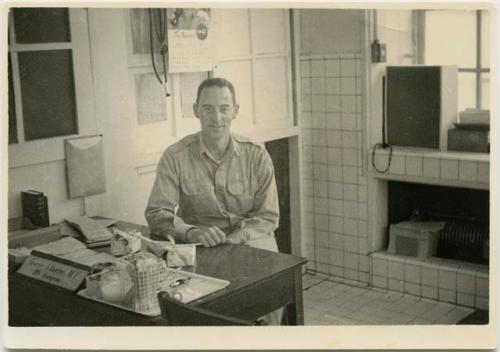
point(465, 213)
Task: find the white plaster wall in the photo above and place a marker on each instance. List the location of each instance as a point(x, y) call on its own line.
point(116, 114)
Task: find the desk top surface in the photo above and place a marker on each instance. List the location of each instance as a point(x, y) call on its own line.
point(242, 265)
point(239, 264)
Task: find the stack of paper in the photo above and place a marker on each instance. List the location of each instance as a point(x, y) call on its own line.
point(75, 251)
point(95, 234)
point(61, 247)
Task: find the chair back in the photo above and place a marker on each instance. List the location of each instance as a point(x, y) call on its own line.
point(177, 313)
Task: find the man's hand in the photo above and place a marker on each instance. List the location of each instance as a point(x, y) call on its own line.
point(208, 237)
point(237, 237)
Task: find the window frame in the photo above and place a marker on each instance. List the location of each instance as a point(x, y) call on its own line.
point(25, 153)
point(257, 124)
point(478, 70)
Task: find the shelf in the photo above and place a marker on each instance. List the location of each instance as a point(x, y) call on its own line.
point(457, 169)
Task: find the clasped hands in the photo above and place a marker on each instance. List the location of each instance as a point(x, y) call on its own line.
point(213, 236)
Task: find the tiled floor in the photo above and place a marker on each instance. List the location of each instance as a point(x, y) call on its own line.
point(327, 302)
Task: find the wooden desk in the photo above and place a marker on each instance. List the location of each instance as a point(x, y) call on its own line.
point(260, 282)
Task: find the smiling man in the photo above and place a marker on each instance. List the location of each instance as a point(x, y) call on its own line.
point(215, 187)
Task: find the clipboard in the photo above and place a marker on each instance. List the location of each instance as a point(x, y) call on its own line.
point(192, 287)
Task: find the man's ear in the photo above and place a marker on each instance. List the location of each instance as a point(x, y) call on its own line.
point(236, 109)
point(195, 110)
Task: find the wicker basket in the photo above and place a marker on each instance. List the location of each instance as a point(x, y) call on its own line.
point(147, 273)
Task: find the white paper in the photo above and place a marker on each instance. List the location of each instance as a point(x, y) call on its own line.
point(190, 40)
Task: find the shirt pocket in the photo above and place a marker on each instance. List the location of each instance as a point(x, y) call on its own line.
point(237, 187)
point(241, 196)
point(197, 198)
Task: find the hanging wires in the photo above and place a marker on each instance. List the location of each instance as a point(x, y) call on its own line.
point(158, 26)
point(384, 143)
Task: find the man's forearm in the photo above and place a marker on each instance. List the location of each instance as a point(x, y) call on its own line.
point(253, 228)
point(164, 222)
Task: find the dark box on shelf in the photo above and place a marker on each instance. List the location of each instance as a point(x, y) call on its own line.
point(462, 140)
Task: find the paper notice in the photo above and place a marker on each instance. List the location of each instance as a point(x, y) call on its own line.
point(190, 40)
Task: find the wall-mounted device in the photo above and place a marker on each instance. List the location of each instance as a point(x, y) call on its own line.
point(422, 104)
point(378, 52)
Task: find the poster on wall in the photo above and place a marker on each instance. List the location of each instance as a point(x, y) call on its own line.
point(190, 40)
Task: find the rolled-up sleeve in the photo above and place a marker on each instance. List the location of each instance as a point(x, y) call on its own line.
point(263, 219)
point(163, 200)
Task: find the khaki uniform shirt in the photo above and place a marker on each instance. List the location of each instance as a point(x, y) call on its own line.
point(237, 193)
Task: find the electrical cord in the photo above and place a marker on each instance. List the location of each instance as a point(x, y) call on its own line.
point(151, 45)
point(375, 147)
point(384, 143)
point(160, 33)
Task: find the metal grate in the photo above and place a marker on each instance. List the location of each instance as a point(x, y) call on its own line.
point(464, 240)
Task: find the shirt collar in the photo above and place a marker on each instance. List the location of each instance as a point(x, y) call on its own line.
point(233, 147)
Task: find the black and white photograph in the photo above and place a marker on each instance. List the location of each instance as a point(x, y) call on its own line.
point(287, 175)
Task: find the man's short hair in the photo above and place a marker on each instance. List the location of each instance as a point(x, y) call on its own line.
point(215, 82)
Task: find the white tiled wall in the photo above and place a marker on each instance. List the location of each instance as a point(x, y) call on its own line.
point(335, 191)
point(444, 280)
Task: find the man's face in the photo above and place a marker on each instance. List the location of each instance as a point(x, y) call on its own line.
point(216, 110)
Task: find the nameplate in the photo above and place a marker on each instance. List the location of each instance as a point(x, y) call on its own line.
point(52, 272)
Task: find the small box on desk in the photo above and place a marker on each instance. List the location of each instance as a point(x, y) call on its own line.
point(415, 238)
point(35, 207)
point(465, 140)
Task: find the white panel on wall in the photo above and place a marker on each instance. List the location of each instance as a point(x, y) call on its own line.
point(240, 74)
point(268, 30)
point(271, 100)
point(233, 37)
